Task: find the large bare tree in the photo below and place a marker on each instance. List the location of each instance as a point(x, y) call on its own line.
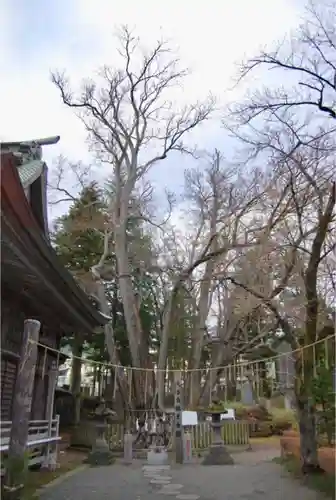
point(132, 125)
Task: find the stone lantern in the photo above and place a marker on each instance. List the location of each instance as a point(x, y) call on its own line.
point(100, 453)
point(218, 454)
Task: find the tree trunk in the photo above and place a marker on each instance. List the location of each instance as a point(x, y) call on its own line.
point(76, 374)
point(198, 337)
point(109, 341)
point(132, 317)
point(306, 410)
point(163, 351)
point(308, 441)
point(223, 357)
point(305, 361)
point(17, 466)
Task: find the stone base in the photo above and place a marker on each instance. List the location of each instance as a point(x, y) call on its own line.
point(218, 455)
point(100, 457)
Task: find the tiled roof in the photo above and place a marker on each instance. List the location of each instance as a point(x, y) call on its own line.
point(30, 171)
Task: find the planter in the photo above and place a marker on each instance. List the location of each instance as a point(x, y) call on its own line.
point(290, 445)
point(218, 454)
point(326, 457)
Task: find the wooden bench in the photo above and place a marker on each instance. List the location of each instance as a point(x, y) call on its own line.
point(43, 438)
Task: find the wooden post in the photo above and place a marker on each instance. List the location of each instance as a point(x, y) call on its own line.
point(52, 381)
point(178, 420)
point(17, 465)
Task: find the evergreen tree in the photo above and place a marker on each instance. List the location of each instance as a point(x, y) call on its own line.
point(79, 244)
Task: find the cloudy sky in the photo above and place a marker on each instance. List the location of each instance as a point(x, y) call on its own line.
point(37, 36)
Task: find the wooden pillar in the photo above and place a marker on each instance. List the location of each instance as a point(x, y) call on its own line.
point(50, 460)
point(17, 465)
point(178, 420)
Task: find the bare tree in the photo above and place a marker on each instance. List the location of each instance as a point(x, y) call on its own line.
point(292, 128)
point(223, 204)
point(307, 60)
point(304, 241)
point(132, 125)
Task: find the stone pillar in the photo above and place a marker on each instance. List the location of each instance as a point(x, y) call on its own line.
point(128, 447)
point(178, 421)
point(17, 461)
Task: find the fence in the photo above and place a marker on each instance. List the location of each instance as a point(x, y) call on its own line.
point(42, 440)
point(234, 432)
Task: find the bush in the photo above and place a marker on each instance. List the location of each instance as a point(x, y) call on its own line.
point(256, 412)
point(260, 429)
point(283, 420)
point(264, 423)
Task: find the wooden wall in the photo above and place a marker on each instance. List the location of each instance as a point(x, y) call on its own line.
point(13, 315)
point(11, 331)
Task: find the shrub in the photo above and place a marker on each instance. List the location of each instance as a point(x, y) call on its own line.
point(283, 420)
point(260, 429)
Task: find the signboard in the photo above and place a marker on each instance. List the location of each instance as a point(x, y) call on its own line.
point(189, 418)
point(230, 415)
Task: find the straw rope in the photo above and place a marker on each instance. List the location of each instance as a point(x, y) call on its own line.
point(241, 364)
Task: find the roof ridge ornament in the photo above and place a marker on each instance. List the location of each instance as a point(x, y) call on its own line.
point(29, 150)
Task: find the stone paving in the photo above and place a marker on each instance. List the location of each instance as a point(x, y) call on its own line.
point(253, 477)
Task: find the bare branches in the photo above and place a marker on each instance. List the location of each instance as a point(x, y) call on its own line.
point(246, 243)
point(128, 111)
point(309, 59)
point(67, 180)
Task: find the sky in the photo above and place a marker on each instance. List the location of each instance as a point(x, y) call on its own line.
point(38, 36)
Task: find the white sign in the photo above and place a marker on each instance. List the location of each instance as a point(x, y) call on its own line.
point(230, 415)
point(189, 418)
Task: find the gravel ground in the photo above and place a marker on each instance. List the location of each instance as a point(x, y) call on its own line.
point(253, 477)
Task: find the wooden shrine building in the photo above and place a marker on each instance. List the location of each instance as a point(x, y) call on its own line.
point(34, 285)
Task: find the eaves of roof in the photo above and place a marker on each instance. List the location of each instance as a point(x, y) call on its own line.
point(34, 245)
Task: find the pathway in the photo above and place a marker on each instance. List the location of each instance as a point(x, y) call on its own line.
point(253, 477)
